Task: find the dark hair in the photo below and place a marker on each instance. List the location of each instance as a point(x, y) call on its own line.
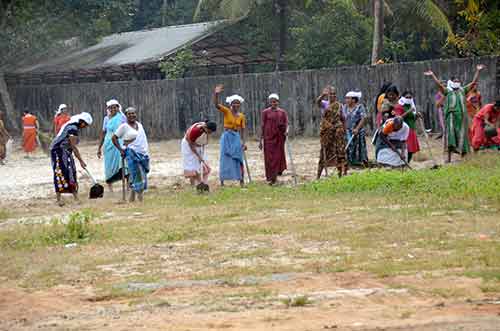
point(393, 89)
point(497, 104)
point(454, 77)
point(407, 92)
point(382, 91)
point(355, 99)
point(212, 126)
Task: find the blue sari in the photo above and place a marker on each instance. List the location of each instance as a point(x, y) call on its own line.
point(112, 156)
point(138, 167)
point(231, 156)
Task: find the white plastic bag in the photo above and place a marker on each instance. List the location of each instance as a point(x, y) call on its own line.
point(9, 147)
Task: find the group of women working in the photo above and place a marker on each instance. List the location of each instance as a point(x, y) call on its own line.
point(342, 137)
point(123, 143)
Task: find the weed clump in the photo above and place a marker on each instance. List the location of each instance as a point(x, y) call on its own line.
point(78, 229)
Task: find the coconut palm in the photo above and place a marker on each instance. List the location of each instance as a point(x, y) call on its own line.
point(427, 10)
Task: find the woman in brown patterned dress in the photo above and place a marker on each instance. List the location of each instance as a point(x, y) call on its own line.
point(332, 136)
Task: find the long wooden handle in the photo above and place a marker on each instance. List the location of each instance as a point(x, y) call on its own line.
point(289, 150)
point(123, 180)
point(246, 166)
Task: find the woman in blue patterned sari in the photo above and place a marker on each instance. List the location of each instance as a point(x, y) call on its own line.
point(112, 156)
point(355, 117)
point(62, 149)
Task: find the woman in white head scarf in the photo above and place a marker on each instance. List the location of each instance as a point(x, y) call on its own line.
point(232, 141)
point(62, 149)
point(112, 157)
point(456, 137)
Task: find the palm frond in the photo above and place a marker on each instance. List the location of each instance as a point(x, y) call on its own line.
point(236, 8)
point(430, 11)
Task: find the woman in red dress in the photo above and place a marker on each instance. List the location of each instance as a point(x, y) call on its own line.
point(488, 118)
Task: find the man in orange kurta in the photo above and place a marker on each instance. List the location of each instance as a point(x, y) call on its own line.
point(30, 132)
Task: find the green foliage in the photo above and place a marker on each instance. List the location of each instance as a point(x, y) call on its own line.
point(336, 35)
point(479, 28)
point(178, 65)
point(77, 229)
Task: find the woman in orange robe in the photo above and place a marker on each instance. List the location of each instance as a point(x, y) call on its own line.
point(30, 132)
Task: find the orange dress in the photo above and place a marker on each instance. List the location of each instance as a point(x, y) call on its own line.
point(59, 121)
point(29, 133)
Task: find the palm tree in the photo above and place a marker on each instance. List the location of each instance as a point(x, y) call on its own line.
point(428, 10)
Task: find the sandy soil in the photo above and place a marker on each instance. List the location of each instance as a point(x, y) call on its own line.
point(31, 177)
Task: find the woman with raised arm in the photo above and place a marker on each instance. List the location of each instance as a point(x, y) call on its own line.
point(232, 141)
point(456, 137)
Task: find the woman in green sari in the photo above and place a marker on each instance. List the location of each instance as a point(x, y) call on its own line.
point(456, 127)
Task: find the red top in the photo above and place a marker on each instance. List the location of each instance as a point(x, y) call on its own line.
point(273, 123)
point(59, 121)
point(194, 132)
point(488, 110)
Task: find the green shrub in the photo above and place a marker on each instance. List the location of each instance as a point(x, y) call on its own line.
point(78, 229)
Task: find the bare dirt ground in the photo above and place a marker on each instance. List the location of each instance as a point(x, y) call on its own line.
point(235, 281)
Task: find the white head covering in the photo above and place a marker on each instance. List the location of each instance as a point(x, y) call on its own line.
point(451, 85)
point(86, 117)
point(273, 96)
point(113, 102)
point(407, 101)
point(233, 98)
point(60, 108)
point(354, 94)
point(130, 109)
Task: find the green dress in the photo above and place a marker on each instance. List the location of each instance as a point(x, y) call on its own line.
point(456, 136)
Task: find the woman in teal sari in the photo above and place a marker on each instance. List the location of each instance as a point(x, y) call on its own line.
point(112, 157)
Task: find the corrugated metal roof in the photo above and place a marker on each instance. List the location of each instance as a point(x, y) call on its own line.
point(130, 48)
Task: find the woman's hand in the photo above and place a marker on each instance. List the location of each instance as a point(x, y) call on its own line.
point(219, 89)
point(480, 67)
point(260, 145)
point(83, 164)
point(428, 73)
point(99, 152)
point(244, 147)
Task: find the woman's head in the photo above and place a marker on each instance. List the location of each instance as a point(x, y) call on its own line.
point(384, 87)
point(131, 114)
point(397, 123)
point(332, 93)
point(392, 93)
point(274, 100)
point(84, 120)
point(211, 126)
point(235, 102)
point(113, 106)
point(407, 95)
point(352, 98)
point(496, 106)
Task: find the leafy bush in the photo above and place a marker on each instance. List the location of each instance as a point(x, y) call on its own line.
point(177, 66)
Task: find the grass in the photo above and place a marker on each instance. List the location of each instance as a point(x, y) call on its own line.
point(299, 301)
point(381, 222)
point(4, 214)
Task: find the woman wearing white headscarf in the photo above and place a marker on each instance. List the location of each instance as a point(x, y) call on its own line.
point(232, 141)
point(112, 156)
point(456, 135)
point(62, 149)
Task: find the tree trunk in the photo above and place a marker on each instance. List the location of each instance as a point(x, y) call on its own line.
point(378, 30)
point(281, 6)
point(11, 117)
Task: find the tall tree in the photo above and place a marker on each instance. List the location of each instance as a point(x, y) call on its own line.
point(233, 9)
point(378, 30)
